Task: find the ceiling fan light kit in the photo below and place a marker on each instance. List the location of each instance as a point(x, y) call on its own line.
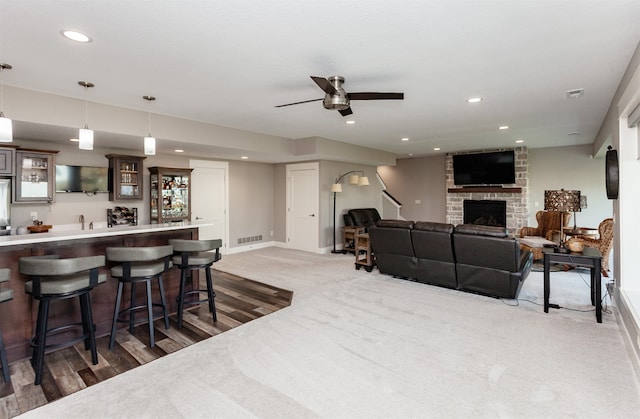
point(337, 99)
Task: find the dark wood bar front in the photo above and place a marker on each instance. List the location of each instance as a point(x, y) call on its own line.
point(17, 317)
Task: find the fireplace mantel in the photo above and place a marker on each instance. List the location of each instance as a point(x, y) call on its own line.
point(489, 189)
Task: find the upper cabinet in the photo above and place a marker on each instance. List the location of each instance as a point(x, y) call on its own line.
point(7, 167)
point(35, 176)
point(125, 177)
point(170, 199)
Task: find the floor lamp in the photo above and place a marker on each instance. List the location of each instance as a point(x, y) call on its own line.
point(354, 179)
point(562, 201)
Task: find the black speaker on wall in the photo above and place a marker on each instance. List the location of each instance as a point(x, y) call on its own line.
point(612, 179)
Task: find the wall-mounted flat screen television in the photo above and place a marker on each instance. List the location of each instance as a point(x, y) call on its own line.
point(495, 168)
point(82, 179)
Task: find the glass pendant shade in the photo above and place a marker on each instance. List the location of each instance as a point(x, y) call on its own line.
point(149, 146)
point(6, 129)
point(86, 139)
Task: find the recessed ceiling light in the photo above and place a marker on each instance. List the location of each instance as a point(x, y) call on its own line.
point(179, 150)
point(574, 133)
point(75, 140)
point(404, 139)
point(410, 154)
point(474, 99)
point(350, 122)
point(436, 148)
point(503, 127)
point(75, 35)
point(244, 157)
point(519, 141)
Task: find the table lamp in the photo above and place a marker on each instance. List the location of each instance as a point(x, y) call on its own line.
point(563, 201)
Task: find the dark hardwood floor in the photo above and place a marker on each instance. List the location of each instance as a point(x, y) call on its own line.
point(238, 301)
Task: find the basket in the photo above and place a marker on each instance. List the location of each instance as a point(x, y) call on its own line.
point(39, 228)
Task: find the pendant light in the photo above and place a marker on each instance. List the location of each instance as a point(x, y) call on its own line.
point(6, 127)
point(85, 134)
point(149, 141)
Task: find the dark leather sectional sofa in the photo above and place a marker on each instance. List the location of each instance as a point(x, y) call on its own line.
point(472, 258)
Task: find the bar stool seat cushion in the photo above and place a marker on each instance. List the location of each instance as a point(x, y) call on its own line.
point(194, 259)
point(64, 284)
point(180, 245)
point(140, 270)
point(5, 295)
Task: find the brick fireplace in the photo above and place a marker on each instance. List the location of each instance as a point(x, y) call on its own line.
point(515, 196)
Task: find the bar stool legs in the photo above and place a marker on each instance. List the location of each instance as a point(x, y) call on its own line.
point(130, 311)
point(139, 265)
point(3, 360)
point(193, 255)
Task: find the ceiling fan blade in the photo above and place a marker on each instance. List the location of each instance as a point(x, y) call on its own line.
point(324, 85)
point(346, 112)
point(297, 103)
point(375, 96)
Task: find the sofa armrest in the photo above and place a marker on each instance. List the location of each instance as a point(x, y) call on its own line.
point(526, 262)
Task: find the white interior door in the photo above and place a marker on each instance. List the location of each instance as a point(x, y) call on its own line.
point(302, 206)
point(209, 199)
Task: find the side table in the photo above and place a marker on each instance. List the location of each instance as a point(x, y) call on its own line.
point(349, 238)
point(364, 256)
point(590, 258)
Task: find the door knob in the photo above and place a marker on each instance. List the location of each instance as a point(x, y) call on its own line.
point(312, 215)
point(198, 218)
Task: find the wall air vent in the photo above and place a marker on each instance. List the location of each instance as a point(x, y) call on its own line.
point(575, 93)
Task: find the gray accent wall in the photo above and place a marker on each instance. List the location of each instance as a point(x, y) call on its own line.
point(418, 179)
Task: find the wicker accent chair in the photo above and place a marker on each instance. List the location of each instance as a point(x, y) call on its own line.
point(548, 223)
point(604, 243)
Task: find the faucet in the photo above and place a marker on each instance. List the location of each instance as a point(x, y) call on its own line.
point(82, 220)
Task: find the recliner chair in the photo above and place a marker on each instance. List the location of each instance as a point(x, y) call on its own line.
point(489, 262)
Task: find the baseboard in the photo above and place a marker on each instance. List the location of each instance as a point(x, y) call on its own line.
point(628, 322)
point(254, 246)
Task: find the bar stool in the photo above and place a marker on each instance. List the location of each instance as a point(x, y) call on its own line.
point(5, 295)
point(54, 279)
point(139, 265)
point(194, 255)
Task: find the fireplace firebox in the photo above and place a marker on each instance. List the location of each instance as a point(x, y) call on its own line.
point(485, 212)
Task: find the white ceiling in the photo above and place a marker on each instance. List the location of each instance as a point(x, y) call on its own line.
point(230, 62)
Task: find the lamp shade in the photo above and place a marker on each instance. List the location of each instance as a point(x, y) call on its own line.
point(86, 139)
point(354, 179)
point(336, 187)
point(149, 146)
point(364, 181)
point(562, 200)
point(6, 129)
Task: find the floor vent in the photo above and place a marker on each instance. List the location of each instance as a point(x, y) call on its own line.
point(250, 239)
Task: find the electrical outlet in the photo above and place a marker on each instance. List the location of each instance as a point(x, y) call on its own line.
point(34, 215)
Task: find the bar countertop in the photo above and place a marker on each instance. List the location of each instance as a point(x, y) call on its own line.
point(99, 232)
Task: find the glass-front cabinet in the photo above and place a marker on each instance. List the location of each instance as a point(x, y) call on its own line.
point(35, 176)
point(125, 177)
point(170, 199)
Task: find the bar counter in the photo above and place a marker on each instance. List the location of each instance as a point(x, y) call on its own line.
point(18, 316)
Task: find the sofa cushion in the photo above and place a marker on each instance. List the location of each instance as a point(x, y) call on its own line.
point(363, 217)
point(395, 224)
point(436, 227)
point(480, 230)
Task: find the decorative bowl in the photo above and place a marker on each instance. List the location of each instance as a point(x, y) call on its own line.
point(575, 245)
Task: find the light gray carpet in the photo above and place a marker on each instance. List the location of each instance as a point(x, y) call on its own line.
point(364, 345)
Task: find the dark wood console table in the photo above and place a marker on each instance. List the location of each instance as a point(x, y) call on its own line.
point(590, 258)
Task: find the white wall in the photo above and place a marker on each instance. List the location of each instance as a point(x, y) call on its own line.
point(569, 168)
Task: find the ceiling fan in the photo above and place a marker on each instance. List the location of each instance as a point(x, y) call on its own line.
point(336, 98)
